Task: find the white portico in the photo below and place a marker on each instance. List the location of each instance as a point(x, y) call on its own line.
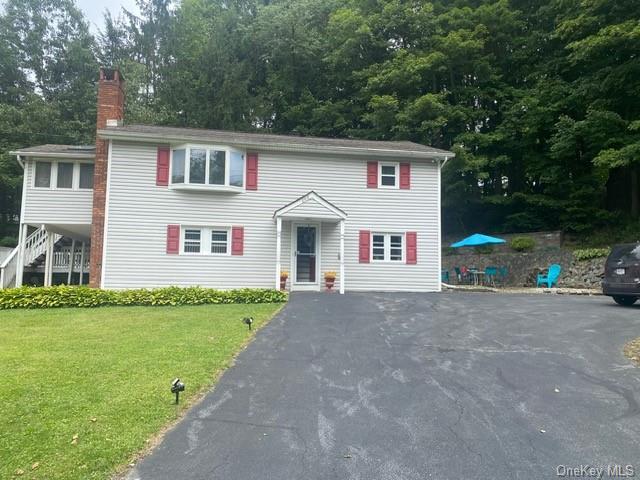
point(305, 217)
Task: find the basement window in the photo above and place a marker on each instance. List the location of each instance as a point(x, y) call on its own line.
point(387, 247)
point(206, 240)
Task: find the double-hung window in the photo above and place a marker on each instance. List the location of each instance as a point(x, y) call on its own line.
point(63, 175)
point(388, 175)
point(207, 166)
point(206, 241)
point(387, 247)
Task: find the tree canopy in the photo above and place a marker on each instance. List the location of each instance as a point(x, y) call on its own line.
point(539, 100)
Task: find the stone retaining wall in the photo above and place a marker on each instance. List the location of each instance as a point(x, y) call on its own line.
point(523, 267)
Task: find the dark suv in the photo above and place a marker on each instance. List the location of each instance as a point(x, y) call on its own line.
point(622, 274)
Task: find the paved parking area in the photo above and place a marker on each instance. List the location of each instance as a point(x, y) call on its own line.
point(417, 386)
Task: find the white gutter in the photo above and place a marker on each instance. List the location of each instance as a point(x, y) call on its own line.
point(20, 162)
point(26, 153)
point(290, 147)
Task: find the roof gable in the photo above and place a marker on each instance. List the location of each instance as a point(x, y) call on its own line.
point(313, 206)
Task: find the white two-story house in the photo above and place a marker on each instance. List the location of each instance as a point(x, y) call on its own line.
point(156, 206)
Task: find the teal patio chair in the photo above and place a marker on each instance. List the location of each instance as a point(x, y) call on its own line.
point(444, 276)
point(490, 274)
point(551, 278)
point(503, 272)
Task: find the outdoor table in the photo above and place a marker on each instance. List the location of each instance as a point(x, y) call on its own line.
point(477, 275)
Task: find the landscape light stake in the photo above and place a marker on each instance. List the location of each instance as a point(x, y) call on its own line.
point(176, 387)
point(248, 321)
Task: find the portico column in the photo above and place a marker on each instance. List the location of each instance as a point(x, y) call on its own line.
point(20, 264)
point(341, 256)
point(48, 263)
point(71, 260)
point(278, 248)
point(81, 264)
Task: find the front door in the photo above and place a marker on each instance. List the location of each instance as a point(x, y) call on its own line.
point(305, 261)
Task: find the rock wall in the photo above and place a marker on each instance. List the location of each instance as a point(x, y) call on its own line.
point(524, 267)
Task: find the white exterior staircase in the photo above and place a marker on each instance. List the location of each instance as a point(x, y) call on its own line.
point(35, 248)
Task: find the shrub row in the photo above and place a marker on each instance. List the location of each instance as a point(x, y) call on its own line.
point(75, 296)
point(589, 253)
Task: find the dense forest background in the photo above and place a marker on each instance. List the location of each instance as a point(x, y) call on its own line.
point(540, 100)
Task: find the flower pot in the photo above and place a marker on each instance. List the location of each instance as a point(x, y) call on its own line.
point(329, 283)
point(283, 283)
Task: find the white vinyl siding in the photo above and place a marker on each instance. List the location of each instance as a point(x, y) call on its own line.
point(139, 213)
point(51, 205)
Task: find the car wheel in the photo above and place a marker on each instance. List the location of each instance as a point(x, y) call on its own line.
point(624, 300)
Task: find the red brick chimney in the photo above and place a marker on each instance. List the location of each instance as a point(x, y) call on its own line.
point(110, 112)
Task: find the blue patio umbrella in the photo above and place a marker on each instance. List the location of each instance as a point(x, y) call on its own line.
point(476, 240)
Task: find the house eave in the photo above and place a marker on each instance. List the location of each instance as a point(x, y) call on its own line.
point(113, 134)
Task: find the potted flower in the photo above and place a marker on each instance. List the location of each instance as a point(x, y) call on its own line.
point(329, 279)
point(283, 279)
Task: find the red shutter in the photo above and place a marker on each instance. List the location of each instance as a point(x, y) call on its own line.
point(162, 166)
point(372, 174)
point(252, 171)
point(365, 246)
point(173, 239)
point(411, 239)
point(237, 240)
point(405, 176)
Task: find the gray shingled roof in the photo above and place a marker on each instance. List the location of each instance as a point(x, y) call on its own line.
point(267, 140)
point(52, 149)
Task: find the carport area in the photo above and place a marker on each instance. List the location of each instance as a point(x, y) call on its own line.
point(417, 386)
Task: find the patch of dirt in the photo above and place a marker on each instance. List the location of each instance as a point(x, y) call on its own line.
point(632, 351)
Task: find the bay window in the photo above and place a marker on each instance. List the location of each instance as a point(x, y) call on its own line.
point(387, 247)
point(207, 166)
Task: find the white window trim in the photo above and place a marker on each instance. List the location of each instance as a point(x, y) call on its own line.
point(187, 185)
point(387, 247)
point(53, 178)
point(205, 240)
point(396, 166)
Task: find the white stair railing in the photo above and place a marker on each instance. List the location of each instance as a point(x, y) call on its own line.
point(61, 259)
point(36, 244)
point(8, 269)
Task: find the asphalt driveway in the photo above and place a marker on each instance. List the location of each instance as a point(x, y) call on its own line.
point(415, 386)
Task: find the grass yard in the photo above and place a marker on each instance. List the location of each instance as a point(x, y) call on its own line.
point(84, 389)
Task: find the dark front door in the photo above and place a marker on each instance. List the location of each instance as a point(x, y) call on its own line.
point(306, 255)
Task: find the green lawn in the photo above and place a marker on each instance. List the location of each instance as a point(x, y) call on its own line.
point(104, 375)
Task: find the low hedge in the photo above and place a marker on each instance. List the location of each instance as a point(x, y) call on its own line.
point(589, 253)
point(76, 296)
